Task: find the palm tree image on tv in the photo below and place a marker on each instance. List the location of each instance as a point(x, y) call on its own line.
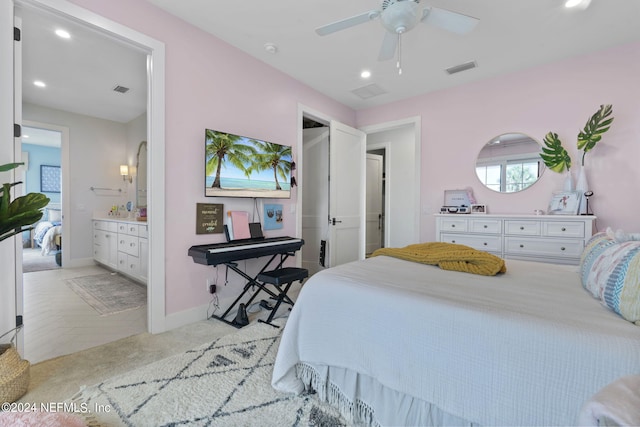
point(237, 166)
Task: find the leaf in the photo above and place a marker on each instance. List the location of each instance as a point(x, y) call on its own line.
point(597, 125)
point(554, 156)
point(9, 166)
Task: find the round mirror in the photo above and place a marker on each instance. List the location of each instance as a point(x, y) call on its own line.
point(141, 175)
point(509, 163)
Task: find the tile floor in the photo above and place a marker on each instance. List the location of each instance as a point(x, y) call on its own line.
point(58, 322)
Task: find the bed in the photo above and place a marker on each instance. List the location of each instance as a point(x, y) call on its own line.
point(47, 232)
point(394, 342)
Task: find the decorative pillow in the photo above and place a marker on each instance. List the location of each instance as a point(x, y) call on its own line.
point(54, 215)
point(615, 274)
point(598, 243)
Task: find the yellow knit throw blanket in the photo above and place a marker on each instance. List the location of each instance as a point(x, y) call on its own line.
point(449, 256)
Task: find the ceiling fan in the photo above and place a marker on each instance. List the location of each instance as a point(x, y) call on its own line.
point(400, 16)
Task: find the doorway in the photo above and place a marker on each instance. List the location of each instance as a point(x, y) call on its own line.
point(154, 121)
point(42, 148)
point(375, 200)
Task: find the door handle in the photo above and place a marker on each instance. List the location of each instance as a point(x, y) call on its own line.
point(379, 221)
point(334, 221)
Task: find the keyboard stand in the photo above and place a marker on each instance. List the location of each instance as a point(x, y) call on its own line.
point(251, 282)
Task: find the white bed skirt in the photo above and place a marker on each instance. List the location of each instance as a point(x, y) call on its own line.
point(348, 391)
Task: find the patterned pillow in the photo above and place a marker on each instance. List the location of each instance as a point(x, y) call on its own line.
point(614, 278)
point(598, 243)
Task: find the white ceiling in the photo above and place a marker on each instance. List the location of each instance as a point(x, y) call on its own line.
point(512, 35)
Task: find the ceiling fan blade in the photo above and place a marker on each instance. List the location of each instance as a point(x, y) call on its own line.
point(347, 23)
point(449, 20)
point(389, 44)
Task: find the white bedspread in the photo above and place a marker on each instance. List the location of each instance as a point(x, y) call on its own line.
point(529, 347)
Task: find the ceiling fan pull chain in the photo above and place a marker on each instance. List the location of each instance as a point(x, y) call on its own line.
point(399, 63)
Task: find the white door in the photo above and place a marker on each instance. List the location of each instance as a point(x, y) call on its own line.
point(20, 189)
point(374, 203)
point(315, 197)
point(346, 194)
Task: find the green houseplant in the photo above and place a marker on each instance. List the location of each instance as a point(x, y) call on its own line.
point(20, 214)
point(556, 158)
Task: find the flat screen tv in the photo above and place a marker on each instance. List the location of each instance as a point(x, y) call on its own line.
point(238, 166)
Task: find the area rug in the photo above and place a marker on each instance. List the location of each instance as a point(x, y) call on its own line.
point(109, 293)
point(224, 383)
point(39, 263)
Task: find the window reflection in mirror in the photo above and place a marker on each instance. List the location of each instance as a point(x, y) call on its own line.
point(141, 175)
point(509, 163)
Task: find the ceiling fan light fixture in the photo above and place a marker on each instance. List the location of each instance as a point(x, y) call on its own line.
point(365, 74)
point(271, 48)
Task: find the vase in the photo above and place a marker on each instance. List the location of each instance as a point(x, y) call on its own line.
point(568, 182)
point(582, 187)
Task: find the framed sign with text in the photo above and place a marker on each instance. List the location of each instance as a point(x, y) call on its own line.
point(209, 219)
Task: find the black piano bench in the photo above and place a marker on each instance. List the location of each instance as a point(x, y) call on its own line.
point(282, 276)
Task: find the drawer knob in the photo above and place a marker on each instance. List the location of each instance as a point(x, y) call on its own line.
point(453, 226)
point(563, 229)
point(562, 248)
point(521, 228)
point(522, 246)
point(132, 244)
point(485, 226)
point(453, 241)
point(485, 243)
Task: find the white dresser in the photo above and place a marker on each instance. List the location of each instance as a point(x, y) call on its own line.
point(122, 246)
point(557, 239)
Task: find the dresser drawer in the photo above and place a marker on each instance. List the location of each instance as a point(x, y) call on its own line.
point(563, 229)
point(126, 228)
point(128, 244)
point(490, 226)
point(522, 228)
point(143, 231)
point(543, 247)
point(128, 264)
point(454, 224)
point(483, 243)
point(105, 225)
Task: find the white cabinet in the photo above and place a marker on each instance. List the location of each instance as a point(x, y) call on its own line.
point(105, 246)
point(128, 247)
point(557, 239)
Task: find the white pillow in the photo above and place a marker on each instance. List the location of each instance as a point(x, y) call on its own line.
point(54, 215)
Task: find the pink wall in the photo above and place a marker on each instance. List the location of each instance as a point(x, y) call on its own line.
point(557, 97)
point(210, 84)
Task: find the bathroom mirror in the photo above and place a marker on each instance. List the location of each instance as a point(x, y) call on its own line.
point(141, 175)
point(509, 163)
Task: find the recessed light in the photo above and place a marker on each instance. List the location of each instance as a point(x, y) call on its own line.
point(580, 4)
point(365, 74)
point(271, 48)
point(63, 34)
point(39, 83)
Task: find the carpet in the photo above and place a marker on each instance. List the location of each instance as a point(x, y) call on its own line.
point(223, 383)
point(109, 293)
point(40, 263)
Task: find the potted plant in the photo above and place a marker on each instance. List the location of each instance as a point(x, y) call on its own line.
point(556, 158)
point(20, 214)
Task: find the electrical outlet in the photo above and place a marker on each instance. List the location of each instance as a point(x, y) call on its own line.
point(212, 289)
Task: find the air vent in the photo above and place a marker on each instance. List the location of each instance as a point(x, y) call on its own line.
point(121, 89)
point(369, 91)
point(462, 67)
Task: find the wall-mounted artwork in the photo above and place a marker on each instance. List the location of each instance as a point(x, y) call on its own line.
point(209, 218)
point(49, 179)
point(272, 216)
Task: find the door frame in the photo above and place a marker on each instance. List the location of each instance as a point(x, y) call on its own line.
point(64, 170)
point(155, 50)
point(415, 121)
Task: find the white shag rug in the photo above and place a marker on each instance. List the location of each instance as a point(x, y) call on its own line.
point(224, 383)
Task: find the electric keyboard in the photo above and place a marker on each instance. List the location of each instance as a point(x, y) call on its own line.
point(220, 253)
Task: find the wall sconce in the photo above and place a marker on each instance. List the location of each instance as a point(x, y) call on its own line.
point(124, 171)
